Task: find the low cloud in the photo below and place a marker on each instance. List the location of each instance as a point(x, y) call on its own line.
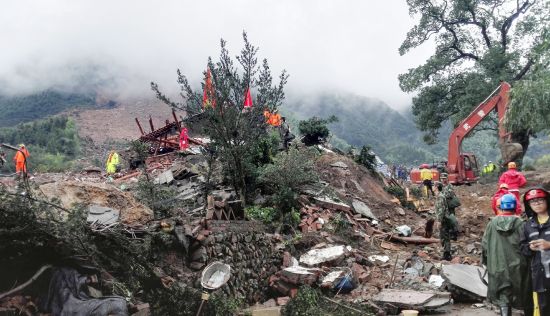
point(123, 45)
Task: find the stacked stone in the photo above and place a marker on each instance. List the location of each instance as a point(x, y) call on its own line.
point(252, 257)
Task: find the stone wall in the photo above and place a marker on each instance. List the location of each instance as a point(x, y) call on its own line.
point(251, 254)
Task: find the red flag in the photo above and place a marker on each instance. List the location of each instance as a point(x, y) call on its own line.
point(248, 99)
point(208, 93)
point(184, 139)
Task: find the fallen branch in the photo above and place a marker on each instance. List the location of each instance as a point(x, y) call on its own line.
point(416, 240)
point(24, 285)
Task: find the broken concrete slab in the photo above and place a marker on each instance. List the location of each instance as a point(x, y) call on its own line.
point(381, 259)
point(330, 279)
point(300, 275)
point(465, 277)
point(102, 215)
point(166, 177)
point(361, 208)
point(409, 299)
point(328, 203)
point(317, 256)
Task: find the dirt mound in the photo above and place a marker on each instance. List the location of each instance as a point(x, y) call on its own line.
point(73, 192)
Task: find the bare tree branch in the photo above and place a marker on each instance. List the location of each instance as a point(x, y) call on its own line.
point(508, 22)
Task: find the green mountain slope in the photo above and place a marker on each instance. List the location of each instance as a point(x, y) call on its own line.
point(364, 121)
point(26, 108)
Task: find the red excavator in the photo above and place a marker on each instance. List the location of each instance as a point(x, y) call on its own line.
point(462, 168)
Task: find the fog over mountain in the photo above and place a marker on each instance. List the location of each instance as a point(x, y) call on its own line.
point(123, 45)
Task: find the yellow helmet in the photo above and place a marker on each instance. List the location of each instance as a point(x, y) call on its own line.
point(21, 145)
point(512, 165)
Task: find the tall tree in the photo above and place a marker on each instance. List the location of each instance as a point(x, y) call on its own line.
point(478, 43)
point(237, 134)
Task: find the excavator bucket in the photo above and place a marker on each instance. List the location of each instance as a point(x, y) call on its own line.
point(510, 151)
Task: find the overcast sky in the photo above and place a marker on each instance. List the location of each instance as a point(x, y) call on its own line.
point(348, 45)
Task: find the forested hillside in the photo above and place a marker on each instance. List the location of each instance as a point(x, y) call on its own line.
point(392, 135)
point(26, 108)
point(53, 143)
point(365, 121)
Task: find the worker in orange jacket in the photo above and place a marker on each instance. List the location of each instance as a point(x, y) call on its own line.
point(20, 160)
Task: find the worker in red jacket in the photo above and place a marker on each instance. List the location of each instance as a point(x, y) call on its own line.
point(514, 179)
point(495, 201)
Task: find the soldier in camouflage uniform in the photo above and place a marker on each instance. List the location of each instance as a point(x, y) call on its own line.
point(445, 205)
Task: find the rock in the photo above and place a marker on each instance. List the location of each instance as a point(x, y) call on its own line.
point(165, 178)
point(382, 259)
point(328, 203)
point(470, 248)
point(404, 230)
point(329, 281)
point(102, 215)
point(411, 273)
point(363, 209)
point(339, 164)
point(299, 275)
point(317, 256)
point(408, 299)
point(465, 277)
point(401, 211)
point(436, 280)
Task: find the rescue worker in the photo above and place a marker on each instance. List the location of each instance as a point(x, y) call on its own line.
point(491, 167)
point(514, 179)
point(535, 245)
point(426, 177)
point(485, 170)
point(495, 200)
point(20, 160)
point(506, 266)
point(284, 132)
point(445, 205)
point(112, 162)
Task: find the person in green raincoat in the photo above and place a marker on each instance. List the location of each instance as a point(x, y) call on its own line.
point(507, 268)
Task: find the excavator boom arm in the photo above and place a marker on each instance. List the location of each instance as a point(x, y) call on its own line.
point(499, 99)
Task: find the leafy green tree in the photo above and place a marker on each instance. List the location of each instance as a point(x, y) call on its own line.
point(236, 134)
point(315, 130)
point(366, 158)
point(478, 44)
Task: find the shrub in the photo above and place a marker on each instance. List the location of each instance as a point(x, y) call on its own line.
point(264, 214)
point(304, 304)
point(288, 172)
point(315, 130)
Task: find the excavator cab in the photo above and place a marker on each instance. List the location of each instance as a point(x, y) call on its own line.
point(471, 169)
point(465, 171)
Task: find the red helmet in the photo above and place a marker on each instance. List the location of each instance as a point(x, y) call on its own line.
point(534, 194)
point(424, 165)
